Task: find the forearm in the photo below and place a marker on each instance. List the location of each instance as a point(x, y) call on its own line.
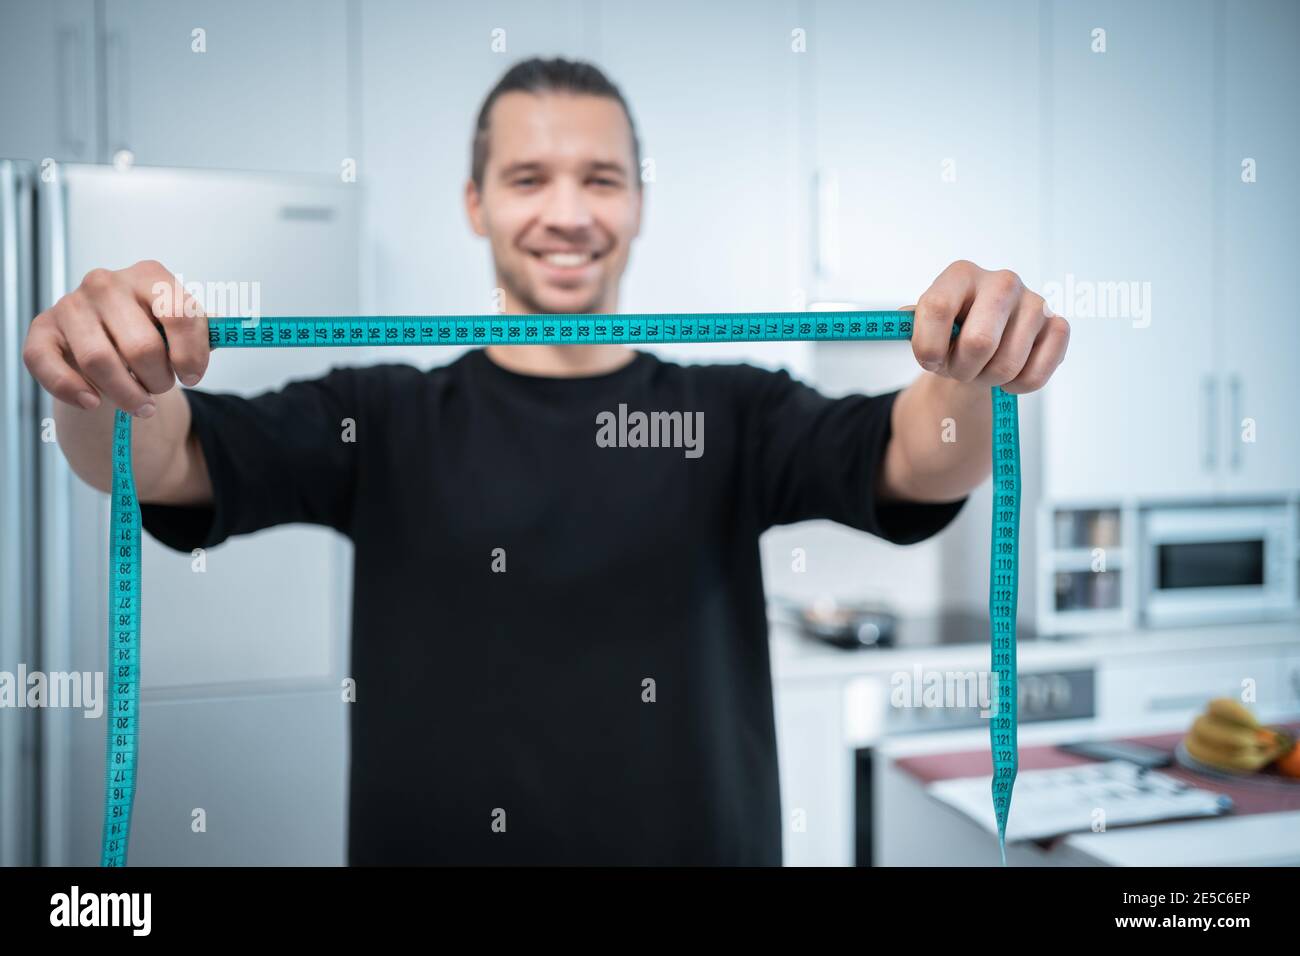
point(941, 444)
point(163, 455)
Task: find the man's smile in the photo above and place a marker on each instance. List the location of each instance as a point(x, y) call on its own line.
point(566, 263)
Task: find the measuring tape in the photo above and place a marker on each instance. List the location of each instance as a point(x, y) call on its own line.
point(124, 582)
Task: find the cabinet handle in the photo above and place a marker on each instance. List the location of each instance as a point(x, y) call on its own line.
point(119, 125)
point(1210, 389)
point(826, 223)
point(1234, 423)
point(73, 111)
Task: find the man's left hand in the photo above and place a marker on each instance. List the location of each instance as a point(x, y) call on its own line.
point(1008, 337)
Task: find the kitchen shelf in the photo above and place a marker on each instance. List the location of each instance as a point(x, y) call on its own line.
point(1073, 595)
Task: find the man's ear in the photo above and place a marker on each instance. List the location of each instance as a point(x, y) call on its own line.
point(474, 207)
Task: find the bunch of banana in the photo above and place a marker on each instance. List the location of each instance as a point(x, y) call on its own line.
point(1229, 737)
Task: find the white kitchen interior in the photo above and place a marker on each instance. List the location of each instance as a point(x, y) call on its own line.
point(1147, 188)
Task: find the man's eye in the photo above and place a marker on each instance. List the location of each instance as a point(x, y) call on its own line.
point(525, 181)
point(604, 181)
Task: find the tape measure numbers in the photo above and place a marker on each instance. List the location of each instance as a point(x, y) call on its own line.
point(552, 329)
point(123, 649)
point(1004, 572)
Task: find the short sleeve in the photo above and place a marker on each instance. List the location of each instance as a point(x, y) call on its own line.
point(281, 457)
point(821, 457)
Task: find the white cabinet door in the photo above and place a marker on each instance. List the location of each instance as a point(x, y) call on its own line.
point(714, 96)
point(816, 775)
point(1259, 335)
point(1129, 245)
point(1288, 700)
point(241, 84)
point(915, 170)
point(47, 73)
point(424, 75)
point(1136, 690)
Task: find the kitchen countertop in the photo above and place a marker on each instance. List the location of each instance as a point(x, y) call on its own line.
point(1246, 798)
point(960, 640)
point(1263, 827)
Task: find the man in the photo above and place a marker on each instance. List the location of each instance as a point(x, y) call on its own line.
point(565, 642)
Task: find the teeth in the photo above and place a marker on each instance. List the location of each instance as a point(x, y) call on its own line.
point(567, 260)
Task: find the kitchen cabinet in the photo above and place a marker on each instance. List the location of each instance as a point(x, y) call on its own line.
point(816, 774)
point(237, 85)
point(1164, 217)
point(419, 254)
point(1176, 687)
point(1288, 701)
point(905, 170)
point(721, 148)
point(48, 63)
point(1258, 338)
point(1130, 134)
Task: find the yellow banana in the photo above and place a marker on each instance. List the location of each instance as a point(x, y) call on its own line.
point(1224, 757)
point(1232, 711)
point(1232, 736)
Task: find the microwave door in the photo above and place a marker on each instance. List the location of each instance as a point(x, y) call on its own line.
point(1210, 565)
point(1215, 565)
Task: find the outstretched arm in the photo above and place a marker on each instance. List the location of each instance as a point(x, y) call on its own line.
point(941, 444)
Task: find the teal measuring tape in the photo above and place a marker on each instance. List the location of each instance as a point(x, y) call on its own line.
point(123, 649)
point(552, 329)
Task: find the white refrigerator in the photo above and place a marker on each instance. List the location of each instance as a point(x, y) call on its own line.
point(243, 724)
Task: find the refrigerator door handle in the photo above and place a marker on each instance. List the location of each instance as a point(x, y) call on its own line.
point(11, 768)
point(19, 760)
point(54, 561)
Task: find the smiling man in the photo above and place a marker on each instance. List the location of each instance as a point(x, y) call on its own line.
point(559, 643)
point(555, 187)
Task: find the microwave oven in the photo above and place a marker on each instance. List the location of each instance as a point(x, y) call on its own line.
point(1217, 563)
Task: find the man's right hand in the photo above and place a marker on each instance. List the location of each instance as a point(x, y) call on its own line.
point(105, 340)
point(102, 347)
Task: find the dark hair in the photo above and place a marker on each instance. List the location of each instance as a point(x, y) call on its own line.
point(556, 75)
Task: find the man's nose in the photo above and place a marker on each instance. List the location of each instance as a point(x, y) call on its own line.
point(566, 206)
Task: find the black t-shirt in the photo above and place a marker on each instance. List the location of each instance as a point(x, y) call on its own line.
point(607, 697)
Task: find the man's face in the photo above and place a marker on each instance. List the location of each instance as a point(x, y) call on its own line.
point(560, 202)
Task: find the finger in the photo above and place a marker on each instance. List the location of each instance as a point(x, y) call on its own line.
point(139, 342)
point(184, 323)
point(44, 356)
point(1048, 353)
point(98, 361)
point(996, 299)
point(1017, 342)
point(937, 310)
